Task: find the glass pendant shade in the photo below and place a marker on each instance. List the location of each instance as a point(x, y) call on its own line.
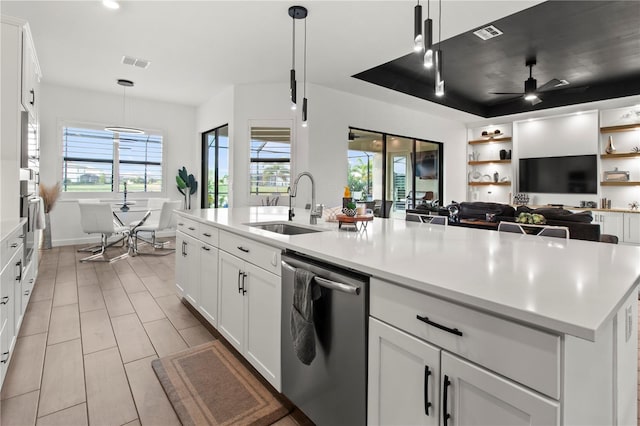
point(428, 43)
point(439, 84)
point(417, 28)
point(305, 123)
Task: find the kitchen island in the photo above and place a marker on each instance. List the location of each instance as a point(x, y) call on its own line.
point(557, 317)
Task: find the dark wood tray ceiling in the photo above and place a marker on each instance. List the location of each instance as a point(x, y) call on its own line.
point(595, 45)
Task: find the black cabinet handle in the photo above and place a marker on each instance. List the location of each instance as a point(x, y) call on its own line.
point(206, 248)
point(239, 275)
point(180, 224)
point(4, 361)
point(14, 245)
point(4, 300)
point(440, 326)
point(192, 228)
point(26, 293)
point(445, 416)
point(33, 97)
point(246, 250)
point(21, 236)
point(427, 404)
point(244, 290)
point(184, 248)
point(19, 265)
point(206, 234)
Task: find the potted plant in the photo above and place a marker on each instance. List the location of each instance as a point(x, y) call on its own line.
point(187, 185)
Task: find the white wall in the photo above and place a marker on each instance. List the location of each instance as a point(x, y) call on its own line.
point(322, 147)
point(59, 104)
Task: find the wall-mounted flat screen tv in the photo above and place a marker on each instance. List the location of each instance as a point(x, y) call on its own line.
point(576, 174)
point(426, 164)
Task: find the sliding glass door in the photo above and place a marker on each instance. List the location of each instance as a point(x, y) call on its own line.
point(397, 172)
point(215, 168)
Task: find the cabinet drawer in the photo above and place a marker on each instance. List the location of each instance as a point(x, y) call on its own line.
point(188, 226)
point(11, 245)
point(526, 355)
point(261, 255)
point(208, 234)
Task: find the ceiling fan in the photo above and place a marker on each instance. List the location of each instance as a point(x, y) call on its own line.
point(531, 90)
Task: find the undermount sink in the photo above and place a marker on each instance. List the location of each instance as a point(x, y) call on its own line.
point(283, 228)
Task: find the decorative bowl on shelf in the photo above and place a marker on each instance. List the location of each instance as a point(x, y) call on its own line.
point(349, 212)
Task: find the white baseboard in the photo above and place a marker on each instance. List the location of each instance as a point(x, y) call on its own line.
point(96, 239)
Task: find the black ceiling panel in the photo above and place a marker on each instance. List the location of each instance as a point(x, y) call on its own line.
point(595, 45)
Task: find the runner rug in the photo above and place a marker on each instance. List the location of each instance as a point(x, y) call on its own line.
point(207, 384)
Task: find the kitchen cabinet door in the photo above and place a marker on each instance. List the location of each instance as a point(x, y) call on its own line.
point(188, 268)
point(611, 223)
point(263, 313)
point(208, 303)
point(632, 228)
point(16, 266)
point(472, 396)
point(231, 303)
point(403, 378)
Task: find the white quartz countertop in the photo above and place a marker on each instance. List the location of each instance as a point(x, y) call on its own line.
point(566, 286)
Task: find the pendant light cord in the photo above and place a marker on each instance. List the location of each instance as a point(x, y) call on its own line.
point(124, 105)
point(439, 24)
point(293, 50)
point(304, 75)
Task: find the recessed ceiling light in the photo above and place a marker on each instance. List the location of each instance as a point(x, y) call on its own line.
point(111, 4)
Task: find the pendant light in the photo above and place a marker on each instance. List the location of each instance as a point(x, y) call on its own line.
point(304, 86)
point(438, 56)
point(417, 28)
point(296, 12)
point(123, 128)
point(428, 38)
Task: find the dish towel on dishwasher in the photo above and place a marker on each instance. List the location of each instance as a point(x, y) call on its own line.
point(305, 291)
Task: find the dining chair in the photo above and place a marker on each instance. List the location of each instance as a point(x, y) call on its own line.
point(514, 228)
point(165, 221)
point(554, 231)
point(97, 218)
point(94, 248)
point(435, 220)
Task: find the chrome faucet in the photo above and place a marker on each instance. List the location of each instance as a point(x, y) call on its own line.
point(316, 211)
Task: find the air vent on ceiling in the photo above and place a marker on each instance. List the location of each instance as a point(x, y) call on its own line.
point(136, 62)
point(487, 32)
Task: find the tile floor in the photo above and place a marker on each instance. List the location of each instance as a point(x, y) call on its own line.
point(87, 340)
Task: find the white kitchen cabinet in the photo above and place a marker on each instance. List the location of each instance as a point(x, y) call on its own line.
point(611, 223)
point(249, 306)
point(10, 307)
point(187, 267)
point(30, 75)
point(397, 361)
point(208, 303)
point(473, 396)
point(440, 388)
point(632, 228)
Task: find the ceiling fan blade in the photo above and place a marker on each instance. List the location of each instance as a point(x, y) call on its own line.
point(552, 84)
point(506, 93)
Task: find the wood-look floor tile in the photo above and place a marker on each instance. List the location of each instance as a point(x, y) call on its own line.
point(158, 287)
point(96, 331)
point(117, 302)
point(42, 290)
point(151, 401)
point(146, 306)
point(131, 283)
point(136, 422)
point(108, 279)
point(165, 338)
point(65, 293)
point(19, 410)
point(26, 366)
point(72, 416)
point(177, 313)
point(132, 338)
point(64, 325)
point(36, 318)
point(122, 268)
point(164, 272)
point(66, 274)
point(90, 298)
point(109, 398)
point(87, 276)
point(140, 267)
point(62, 378)
point(197, 335)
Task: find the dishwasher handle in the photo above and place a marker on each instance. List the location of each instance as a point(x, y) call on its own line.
point(331, 285)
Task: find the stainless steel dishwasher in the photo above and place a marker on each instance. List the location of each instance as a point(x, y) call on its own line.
point(332, 390)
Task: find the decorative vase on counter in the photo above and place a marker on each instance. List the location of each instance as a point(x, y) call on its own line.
point(45, 243)
point(610, 148)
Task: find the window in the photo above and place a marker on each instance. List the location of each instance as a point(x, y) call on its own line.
point(270, 169)
point(101, 161)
